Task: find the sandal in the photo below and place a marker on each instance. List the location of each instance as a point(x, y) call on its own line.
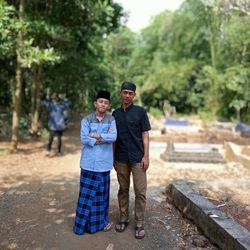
point(108, 227)
point(121, 226)
point(138, 232)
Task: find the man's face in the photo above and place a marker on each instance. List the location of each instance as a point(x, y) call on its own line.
point(127, 96)
point(102, 105)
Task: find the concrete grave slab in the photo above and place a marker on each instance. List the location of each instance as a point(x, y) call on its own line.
point(192, 152)
point(216, 225)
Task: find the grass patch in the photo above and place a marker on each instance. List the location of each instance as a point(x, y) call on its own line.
point(3, 152)
point(45, 134)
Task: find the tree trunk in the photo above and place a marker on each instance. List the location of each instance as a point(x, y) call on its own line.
point(238, 114)
point(18, 88)
point(17, 104)
point(243, 54)
point(35, 100)
point(86, 100)
point(212, 49)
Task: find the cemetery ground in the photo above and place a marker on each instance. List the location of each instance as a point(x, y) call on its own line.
point(38, 197)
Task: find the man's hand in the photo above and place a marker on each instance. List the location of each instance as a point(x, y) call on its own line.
point(95, 135)
point(145, 163)
point(114, 165)
point(98, 142)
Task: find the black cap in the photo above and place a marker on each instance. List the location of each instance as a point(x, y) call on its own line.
point(103, 94)
point(128, 85)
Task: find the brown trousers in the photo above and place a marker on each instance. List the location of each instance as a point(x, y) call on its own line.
point(124, 171)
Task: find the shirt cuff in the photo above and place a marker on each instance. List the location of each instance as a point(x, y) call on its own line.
point(92, 142)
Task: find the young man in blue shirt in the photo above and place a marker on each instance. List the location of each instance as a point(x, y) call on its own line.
point(98, 132)
point(131, 156)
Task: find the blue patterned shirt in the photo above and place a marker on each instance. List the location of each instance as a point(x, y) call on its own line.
point(56, 115)
point(97, 157)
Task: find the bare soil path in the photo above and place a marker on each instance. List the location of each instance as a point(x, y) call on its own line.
point(38, 197)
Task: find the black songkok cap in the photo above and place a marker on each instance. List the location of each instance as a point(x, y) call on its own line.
point(103, 94)
point(129, 86)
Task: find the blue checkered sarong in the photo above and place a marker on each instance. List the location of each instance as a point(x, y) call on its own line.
point(93, 202)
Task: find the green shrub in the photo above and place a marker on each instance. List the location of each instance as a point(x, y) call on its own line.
point(155, 112)
point(3, 152)
point(206, 115)
point(45, 134)
point(246, 118)
point(24, 123)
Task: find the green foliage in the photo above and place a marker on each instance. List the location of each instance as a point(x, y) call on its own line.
point(246, 118)
point(155, 112)
point(206, 116)
point(66, 40)
point(189, 58)
point(236, 88)
point(3, 152)
point(119, 47)
point(24, 123)
point(45, 134)
point(8, 29)
point(170, 82)
point(37, 56)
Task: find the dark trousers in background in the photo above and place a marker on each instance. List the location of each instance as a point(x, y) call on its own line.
point(52, 134)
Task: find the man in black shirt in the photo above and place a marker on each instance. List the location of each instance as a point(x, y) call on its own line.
point(131, 152)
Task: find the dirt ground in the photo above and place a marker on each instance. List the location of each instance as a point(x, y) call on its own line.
point(38, 197)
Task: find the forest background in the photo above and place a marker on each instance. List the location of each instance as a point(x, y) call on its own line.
point(195, 59)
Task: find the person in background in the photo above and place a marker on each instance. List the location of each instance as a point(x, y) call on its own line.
point(131, 152)
point(98, 132)
point(56, 123)
point(66, 111)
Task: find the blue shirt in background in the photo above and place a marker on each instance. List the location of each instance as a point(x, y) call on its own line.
point(97, 158)
point(56, 114)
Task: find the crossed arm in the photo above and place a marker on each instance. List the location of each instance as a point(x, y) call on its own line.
point(98, 137)
point(92, 139)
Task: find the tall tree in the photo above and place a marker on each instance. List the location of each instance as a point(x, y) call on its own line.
point(59, 45)
point(18, 84)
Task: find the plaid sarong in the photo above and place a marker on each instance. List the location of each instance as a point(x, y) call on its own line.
point(93, 202)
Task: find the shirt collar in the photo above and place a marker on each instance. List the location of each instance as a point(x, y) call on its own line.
point(99, 120)
point(128, 108)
